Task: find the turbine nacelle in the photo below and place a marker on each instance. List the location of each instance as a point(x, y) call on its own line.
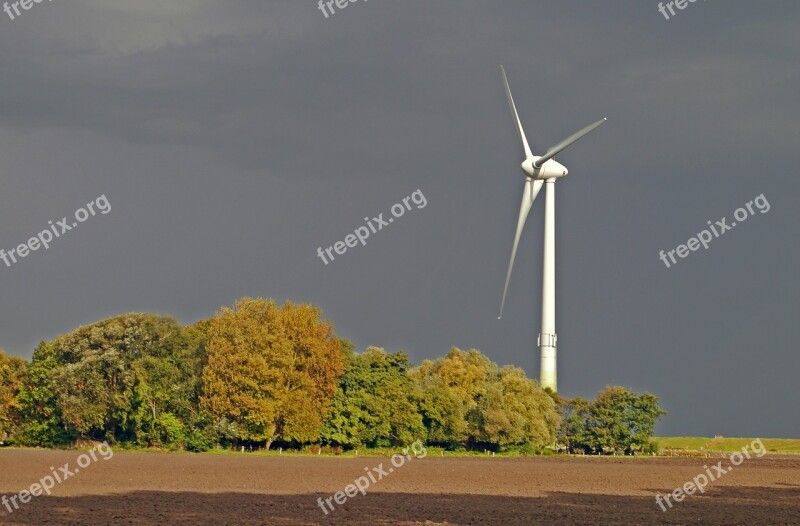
point(550, 169)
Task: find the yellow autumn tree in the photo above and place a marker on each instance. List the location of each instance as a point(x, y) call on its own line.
point(271, 371)
point(12, 371)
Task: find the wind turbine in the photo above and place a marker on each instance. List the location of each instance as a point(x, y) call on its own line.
point(541, 170)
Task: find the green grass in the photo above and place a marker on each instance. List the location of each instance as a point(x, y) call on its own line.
point(727, 445)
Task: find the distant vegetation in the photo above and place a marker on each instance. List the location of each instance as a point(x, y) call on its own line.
point(259, 375)
point(724, 444)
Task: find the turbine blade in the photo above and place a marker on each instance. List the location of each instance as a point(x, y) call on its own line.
point(563, 145)
point(516, 115)
point(532, 188)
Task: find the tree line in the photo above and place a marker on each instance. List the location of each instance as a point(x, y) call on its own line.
point(260, 374)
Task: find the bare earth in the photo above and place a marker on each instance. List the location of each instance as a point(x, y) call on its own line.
point(151, 488)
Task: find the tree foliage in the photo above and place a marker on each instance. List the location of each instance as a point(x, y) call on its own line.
point(113, 380)
point(11, 374)
point(618, 421)
point(374, 405)
point(271, 371)
point(42, 424)
point(466, 400)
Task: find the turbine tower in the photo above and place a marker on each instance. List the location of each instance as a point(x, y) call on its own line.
point(542, 170)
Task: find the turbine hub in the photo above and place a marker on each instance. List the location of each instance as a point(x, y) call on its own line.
point(551, 169)
point(528, 168)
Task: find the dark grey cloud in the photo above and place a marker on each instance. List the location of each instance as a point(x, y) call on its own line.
point(232, 139)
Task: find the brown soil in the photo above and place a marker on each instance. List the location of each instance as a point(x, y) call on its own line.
point(151, 488)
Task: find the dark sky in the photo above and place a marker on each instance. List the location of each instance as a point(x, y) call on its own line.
point(233, 138)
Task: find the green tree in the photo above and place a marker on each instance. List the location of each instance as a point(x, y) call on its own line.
point(618, 421)
point(41, 425)
point(529, 414)
point(466, 399)
point(112, 380)
point(271, 371)
point(449, 391)
point(442, 412)
point(167, 388)
point(374, 405)
point(574, 433)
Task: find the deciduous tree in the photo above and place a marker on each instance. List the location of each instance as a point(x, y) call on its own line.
point(374, 405)
point(271, 371)
point(466, 399)
point(12, 371)
point(113, 380)
point(619, 420)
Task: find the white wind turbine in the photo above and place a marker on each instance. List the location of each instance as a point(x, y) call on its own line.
point(538, 171)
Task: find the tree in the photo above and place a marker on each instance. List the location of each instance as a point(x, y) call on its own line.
point(41, 425)
point(114, 380)
point(450, 389)
point(271, 372)
point(442, 411)
point(374, 405)
point(167, 387)
point(531, 413)
point(618, 421)
point(12, 371)
point(466, 399)
point(574, 432)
